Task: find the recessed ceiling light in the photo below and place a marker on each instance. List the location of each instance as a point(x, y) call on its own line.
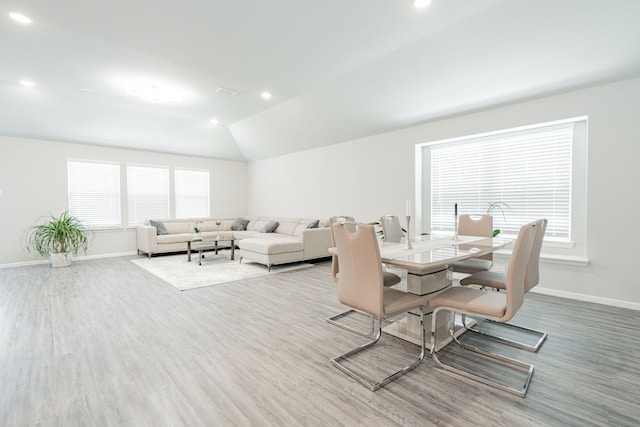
point(27, 83)
point(421, 3)
point(214, 121)
point(265, 95)
point(19, 17)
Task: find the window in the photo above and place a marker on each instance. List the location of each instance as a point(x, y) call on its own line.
point(147, 193)
point(532, 170)
point(94, 192)
point(192, 193)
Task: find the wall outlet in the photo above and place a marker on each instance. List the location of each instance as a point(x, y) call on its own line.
point(499, 268)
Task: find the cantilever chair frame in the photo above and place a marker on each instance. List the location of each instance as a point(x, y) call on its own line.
point(521, 252)
point(337, 361)
point(531, 279)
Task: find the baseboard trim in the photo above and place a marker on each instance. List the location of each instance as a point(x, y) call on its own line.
point(80, 258)
point(587, 298)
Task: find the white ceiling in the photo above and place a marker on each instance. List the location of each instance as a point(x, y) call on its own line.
point(338, 69)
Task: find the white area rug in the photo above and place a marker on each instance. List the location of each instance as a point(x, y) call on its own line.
point(215, 269)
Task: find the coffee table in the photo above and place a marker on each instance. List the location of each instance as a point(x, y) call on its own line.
point(201, 245)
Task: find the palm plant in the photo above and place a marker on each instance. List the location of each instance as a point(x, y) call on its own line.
point(63, 234)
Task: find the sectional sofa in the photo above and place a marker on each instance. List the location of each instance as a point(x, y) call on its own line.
point(269, 241)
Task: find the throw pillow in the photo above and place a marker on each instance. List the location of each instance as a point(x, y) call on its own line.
point(239, 224)
point(160, 228)
point(313, 224)
point(270, 226)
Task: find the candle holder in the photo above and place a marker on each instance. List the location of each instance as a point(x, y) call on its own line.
point(407, 240)
point(218, 225)
point(455, 227)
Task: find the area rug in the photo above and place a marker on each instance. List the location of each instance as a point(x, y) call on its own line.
point(215, 269)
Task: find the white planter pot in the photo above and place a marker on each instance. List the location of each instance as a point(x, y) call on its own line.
point(60, 259)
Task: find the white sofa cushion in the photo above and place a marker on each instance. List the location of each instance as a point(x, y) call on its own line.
point(271, 246)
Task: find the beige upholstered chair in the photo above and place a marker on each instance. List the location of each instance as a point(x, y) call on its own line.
point(361, 286)
point(391, 229)
point(390, 279)
point(497, 306)
point(498, 280)
point(475, 225)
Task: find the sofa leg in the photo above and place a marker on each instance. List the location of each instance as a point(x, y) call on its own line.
point(240, 260)
point(269, 268)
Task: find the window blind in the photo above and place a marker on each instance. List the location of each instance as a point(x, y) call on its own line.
point(192, 193)
point(147, 193)
point(94, 192)
point(528, 170)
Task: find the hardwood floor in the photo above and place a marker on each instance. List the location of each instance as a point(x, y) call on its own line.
point(104, 343)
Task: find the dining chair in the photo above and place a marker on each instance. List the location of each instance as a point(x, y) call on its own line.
point(474, 225)
point(498, 280)
point(391, 229)
point(496, 306)
point(361, 286)
point(390, 279)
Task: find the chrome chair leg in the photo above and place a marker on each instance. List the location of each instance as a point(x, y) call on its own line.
point(373, 386)
point(542, 336)
point(334, 321)
point(503, 360)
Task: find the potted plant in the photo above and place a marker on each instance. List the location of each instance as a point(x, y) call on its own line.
point(58, 238)
point(497, 206)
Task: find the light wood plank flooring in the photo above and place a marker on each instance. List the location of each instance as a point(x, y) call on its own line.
point(104, 343)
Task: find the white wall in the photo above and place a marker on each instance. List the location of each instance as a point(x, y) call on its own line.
point(33, 180)
point(375, 175)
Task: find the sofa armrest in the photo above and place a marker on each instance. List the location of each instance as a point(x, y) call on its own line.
point(317, 242)
point(146, 239)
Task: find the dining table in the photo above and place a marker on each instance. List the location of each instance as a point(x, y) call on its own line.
point(428, 264)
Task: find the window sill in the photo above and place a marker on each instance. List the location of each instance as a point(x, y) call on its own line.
point(578, 261)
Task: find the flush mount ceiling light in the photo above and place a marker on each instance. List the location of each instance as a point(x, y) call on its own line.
point(214, 121)
point(226, 91)
point(154, 93)
point(27, 83)
point(421, 3)
point(152, 89)
point(265, 95)
point(19, 17)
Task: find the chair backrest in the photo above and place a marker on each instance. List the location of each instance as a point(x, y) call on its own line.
point(517, 269)
point(476, 225)
point(391, 229)
point(335, 268)
point(361, 282)
point(533, 266)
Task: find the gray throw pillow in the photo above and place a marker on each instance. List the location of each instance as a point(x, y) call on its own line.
point(313, 224)
point(239, 224)
point(160, 228)
point(270, 227)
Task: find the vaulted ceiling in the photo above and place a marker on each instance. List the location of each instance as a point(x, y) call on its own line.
point(337, 69)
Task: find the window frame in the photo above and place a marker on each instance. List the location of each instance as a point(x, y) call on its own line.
point(176, 171)
point(117, 199)
point(128, 184)
point(575, 247)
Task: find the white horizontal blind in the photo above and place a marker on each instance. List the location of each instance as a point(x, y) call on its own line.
point(94, 192)
point(529, 170)
point(192, 193)
point(147, 193)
